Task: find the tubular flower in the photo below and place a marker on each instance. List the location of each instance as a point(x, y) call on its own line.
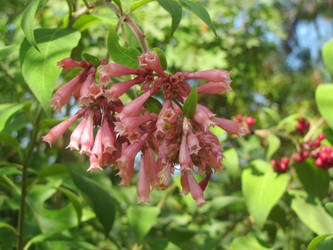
point(166, 139)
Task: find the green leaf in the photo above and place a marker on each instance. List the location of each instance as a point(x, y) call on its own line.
point(231, 163)
point(100, 200)
point(153, 105)
point(190, 104)
point(317, 240)
point(75, 201)
point(9, 171)
point(141, 219)
point(200, 11)
point(324, 100)
point(138, 4)
point(273, 145)
point(247, 242)
point(327, 52)
point(125, 56)
point(162, 58)
point(40, 69)
point(7, 110)
point(315, 180)
point(91, 59)
point(84, 21)
point(310, 212)
point(329, 207)
point(6, 51)
point(175, 11)
point(10, 227)
point(262, 188)
point(221, 202)
point(28, 20)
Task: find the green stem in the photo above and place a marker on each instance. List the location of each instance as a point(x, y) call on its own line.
point(24, 179)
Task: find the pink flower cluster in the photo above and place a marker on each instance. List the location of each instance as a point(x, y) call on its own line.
point(167, 141)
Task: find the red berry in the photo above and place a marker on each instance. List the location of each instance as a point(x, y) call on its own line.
point(283, 167)
point(301, 120)
point(319, 162)
point(305, 154)
point(239, 118)
point(274, 162)
point(285, 160)
point(321, 136)
point(250, 121)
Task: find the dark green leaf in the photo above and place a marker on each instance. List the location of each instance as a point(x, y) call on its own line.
point(315, 180)
point(138, 4)
point(75, 201)
point(328, 55)
point(317, 240)
point(84, 21)
point(9, 171)
point(200, 11)
point(311, 212)
point(141, 219)
point(6, 51)
point(100, 200)
point(329, 207)
point(179, 235)
point(153, 105)
point(40, 69)
point(162, 58)
point(324, 100)
point(91, 59)
point(7, 110)
point(262, 189)
point(28, 20)
point(10, 227)
point(190, 104)
point(120, 54)
point(52, 170)
point(175, 11)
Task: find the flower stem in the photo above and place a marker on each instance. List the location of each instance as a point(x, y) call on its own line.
point(24, 178)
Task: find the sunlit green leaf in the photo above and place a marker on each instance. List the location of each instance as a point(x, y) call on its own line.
point(6, 51)
point(40, 69)
point(246, 243)
point(262, 188)
point(85, 21)
point(28, 20)
point(230, 161)
point(162, 58)
point(329, 207)
point(273, 145)
point(311, 212)
point(324, 100)
point(327, 52)
point(91, 59)
point(138, 4)
point(141, 219)
point(313, 244)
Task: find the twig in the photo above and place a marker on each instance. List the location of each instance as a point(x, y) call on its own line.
point(313, 129)
point(24, 178)
point(167, 194)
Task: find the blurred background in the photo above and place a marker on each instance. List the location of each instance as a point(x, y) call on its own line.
point(272, 47)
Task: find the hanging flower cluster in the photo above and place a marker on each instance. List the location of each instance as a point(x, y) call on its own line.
point(167, 141)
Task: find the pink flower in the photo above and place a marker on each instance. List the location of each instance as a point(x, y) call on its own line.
point(87, 138)
point(167, 120)
point(114, 69)
point(184, 182)
point(143, 187)
point(96, 155)
point(149, 60)
point(214, 75)
point(126, 162)
point(230, 126)
point(214, 88)
point(76, 135)
point(108, 136)
point(129, 124)
point(69, 63)
point(151, 167)
point(57, 131)
point(193, 143)
point(195, 190)
point(204, 117)
point(64, 93)
point(84, 91)
point(118, 89)
point(94, 164)
point(134, 107)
